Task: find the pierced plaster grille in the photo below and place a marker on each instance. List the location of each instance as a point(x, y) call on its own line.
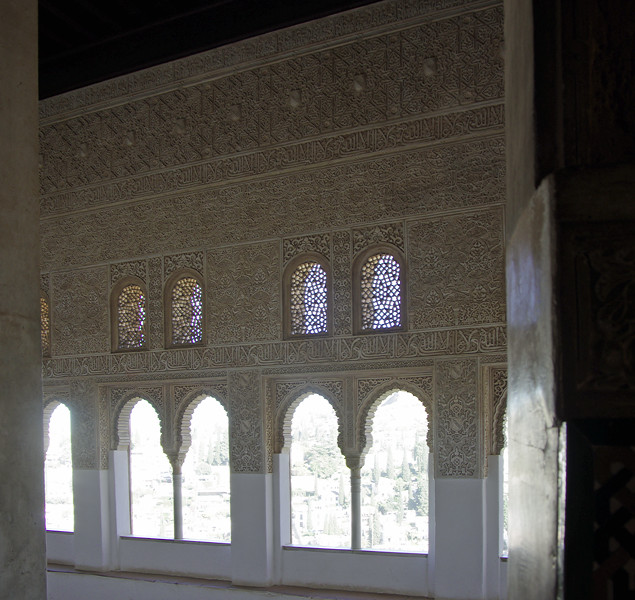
point(45, 326)
point(187, 312)
point(308, 299)
point(381, 292)
point(131, 317)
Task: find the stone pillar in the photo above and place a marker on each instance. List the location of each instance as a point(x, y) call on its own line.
point(22, 537)
point(251, 483)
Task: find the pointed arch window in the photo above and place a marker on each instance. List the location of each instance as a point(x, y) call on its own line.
point(184, 310)
point(129, 315)
point(379, 291)
point(45, 324)
point(307, 285)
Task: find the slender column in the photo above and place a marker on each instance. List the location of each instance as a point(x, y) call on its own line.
point(356, 509)
point(177, 487)
point(22, 537)
point(355, 464)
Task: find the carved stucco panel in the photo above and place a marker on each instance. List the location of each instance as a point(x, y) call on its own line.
point(155, 304)
point(416, 181)
point(342, 286)
point(245, 302)
point(392, 233)
point(80, 311)
point(424, 68)
point(457, 270)
point(136, 268)
point(84, 405)
point(320, 243)
point(457, 431)
point(246, 422)
point(191, 260)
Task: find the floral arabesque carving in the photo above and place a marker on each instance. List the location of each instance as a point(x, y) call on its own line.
point(245, 305)
point(187, 260)
point(292, 247)
point(392, 233)
point(79, 315)
point(245, 418)
point(135, 268)
point(457, 270)
point(457, 422)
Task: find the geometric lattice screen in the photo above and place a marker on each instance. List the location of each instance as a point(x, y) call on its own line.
point(131, 317)
point(614, 527)
point(308, 299)
point(380, 289)
point(187, 312)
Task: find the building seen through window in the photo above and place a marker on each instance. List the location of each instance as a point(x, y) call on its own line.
point(206, 476)
point(320, 480)
point(58, 471)
point(150, 476)
point(394, 487)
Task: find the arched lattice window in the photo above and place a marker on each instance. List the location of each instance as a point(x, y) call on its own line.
point(307, 296)
point(185, 310)
point(308, 299)
point(380, 292)
point(45, 324)
point(130, 325)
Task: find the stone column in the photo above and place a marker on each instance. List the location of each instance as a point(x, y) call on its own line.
point(22, 538)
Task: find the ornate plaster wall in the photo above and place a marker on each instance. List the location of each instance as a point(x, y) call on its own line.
point(383, 125)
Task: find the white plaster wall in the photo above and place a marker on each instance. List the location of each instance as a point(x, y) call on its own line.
point(195, 559)
point(362, 570)
point(92, 519)
point(60, 547)
point(460, 539)
point(252, 529)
